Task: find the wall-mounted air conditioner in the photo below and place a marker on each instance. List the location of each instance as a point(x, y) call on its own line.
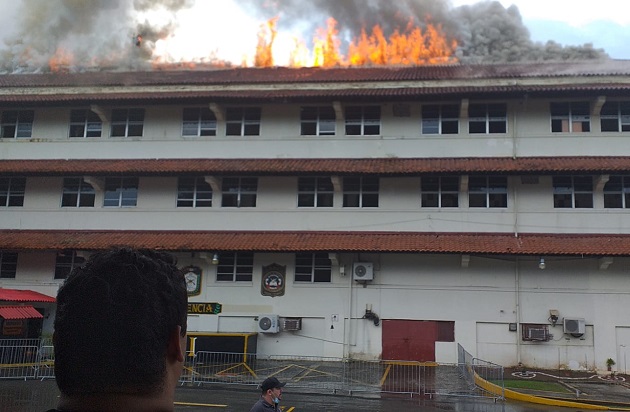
point(538, 334)
point(291, 323)
point(362, 271)
point(574, 326)
point(268, 324)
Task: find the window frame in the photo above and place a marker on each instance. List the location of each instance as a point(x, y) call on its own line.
point(487, 114)
point(133, 121)
point(615, 113)
point(8, 264)
point(439, 120)
point(83, 190)
point(200, 192)
point(563, 193)
point(494, 194)
point(320, 117)
point(440, 193)
point(20, 121)
point(315, 191)
point(362, 193)
point(362, 121)
point(87, 120)
point(246, 119)
point(314, 268)
point(201, 119)
point(14, 190)
point(241, 192)
point(65, 262)
point(240, 263)
point(561, 112)
point(121, 189)
point(619, 192)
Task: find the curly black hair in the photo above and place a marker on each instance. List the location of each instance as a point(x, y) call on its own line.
point(114, 318)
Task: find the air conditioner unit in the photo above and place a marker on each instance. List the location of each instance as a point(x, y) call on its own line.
point(575, 326)
point(362, 271)
point(291, 323)
point(268, 324)
point(538, 334)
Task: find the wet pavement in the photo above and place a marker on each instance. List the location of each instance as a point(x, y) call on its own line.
point(34, 395)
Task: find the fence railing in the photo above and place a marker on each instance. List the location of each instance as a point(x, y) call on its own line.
point(26, 359)
point(34, 359)
point(474, 369)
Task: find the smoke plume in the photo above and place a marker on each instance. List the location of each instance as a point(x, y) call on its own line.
point(85, 33)
point(485, 31)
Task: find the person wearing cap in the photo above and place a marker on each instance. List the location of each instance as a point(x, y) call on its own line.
point(271, 395)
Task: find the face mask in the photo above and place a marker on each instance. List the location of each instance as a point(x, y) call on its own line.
point(276, 401)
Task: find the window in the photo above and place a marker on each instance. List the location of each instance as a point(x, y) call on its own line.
point(8, 264)
point(360, 191)
point(65, 262)
point(363, 120)
point(193, 192)
point(570, 117)
point(487, 118)
point(617, 192)
point(239, 191)
point(315, 192)
point(312, 267)
point(235, 267)
point(121, 192)
point(85, 123)
point(77, 193)
point(242, 121)
point(440, 119)
point(199, 121)
point(439, 191)
point(17, 123)
point(12, 191)
point(317, 121)
point(572, 192)
point(487, 191)
point(615, 117)
point(127, 122)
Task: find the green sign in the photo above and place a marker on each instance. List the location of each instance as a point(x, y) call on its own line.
point(204, 308)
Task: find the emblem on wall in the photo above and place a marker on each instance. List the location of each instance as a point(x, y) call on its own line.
point(273, 277)
point(192, 275)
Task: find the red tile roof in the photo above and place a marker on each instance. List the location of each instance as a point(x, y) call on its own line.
point(274, 75)
point(19, 312)
point(15, 295)
point(296, 241)
point(380, 166)
point(305, 84)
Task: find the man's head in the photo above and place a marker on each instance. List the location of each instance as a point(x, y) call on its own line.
point(272, 389)
point(116, 320)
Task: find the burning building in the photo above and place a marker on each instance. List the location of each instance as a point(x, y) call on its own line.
point(371, 213)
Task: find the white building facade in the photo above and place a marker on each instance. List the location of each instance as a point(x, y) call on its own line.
point(368, 213)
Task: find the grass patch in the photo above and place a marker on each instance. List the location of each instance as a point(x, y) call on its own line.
point(534, 385)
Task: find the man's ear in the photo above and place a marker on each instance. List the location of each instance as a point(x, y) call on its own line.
point(176, 345)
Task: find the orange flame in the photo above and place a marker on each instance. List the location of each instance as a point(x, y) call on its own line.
point(61, 60)
point(266, 37)
point(412, 47)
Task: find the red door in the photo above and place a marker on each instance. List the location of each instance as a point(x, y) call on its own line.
point(412, 340)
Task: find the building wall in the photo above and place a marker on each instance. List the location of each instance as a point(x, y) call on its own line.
point(482, 298)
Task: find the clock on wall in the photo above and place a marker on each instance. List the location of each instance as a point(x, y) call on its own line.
point(192, 276)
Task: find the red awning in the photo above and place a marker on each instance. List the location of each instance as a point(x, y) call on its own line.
point(19, 312)
point(15, 295)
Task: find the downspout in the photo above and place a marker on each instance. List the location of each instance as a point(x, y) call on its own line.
point(517, 290)
point(346, 332)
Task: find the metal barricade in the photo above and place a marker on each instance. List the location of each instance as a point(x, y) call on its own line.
point(19, 358)
point(34, 358)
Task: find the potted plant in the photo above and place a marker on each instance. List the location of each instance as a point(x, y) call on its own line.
point(610, 363)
